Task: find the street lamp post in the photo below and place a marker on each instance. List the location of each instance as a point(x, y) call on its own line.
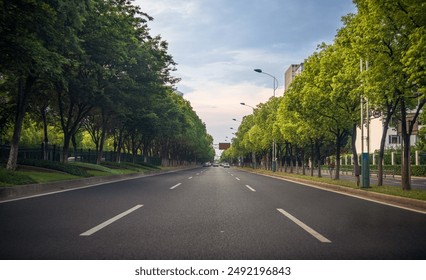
point(244, 104)
point(275, 86)
point(365, 159)
point(274, 150)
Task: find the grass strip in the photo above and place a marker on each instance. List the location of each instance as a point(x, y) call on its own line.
point(389, 190)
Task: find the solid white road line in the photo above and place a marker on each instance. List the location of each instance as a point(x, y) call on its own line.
point(175, 186)
point(250, 188)
point(304, 226)
point(110, 221)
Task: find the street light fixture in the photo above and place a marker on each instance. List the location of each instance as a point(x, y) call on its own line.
point(244, 104)
point(275, 86)
point(274, 151)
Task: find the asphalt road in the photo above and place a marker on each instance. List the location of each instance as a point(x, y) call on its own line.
point(207, 213)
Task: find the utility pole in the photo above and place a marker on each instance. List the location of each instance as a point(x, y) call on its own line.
point(365, 159)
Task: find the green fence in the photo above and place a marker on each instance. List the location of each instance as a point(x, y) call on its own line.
point(53, 153)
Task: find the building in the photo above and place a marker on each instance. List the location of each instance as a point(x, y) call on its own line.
point(291, 73)
point(393, 137)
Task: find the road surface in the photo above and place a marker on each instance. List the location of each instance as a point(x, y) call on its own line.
point(207, 213)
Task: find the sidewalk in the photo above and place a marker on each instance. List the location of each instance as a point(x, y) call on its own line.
point(418, 183)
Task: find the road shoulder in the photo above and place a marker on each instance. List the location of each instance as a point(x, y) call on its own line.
point(394, 201)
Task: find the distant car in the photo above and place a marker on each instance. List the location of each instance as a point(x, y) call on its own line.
point(215, 164)
point(207, 164)
point(226, 165)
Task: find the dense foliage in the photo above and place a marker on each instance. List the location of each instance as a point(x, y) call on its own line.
point(320, 112)
point(92, 66)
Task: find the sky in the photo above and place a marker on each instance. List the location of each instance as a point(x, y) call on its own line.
point(217, 44)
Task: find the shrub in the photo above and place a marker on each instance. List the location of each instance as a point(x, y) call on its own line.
point(129, 165)
point(67, 168)
point(14, 178)
point(416, 170)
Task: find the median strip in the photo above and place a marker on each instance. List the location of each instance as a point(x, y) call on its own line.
point(110, 221)
point(304, 226)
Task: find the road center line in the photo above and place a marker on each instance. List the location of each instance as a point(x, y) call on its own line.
point(304, 226)
point(110, 221)
point(250, 188)
point(175, 186)
point(238, 179)
point(190, 178)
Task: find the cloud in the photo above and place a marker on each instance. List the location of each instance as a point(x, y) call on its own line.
point(217, 44)
point(184, 9)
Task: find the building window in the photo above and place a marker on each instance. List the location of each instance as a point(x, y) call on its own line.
point(394, 139)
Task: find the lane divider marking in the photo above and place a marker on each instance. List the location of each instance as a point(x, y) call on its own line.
point(175, 186)
point(304, 226)
point(110, 221)
point(190, 178)
point(238, 179)
point(250, 188)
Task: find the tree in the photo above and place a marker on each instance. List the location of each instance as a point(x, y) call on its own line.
point(388, 31)
point(295, 110)
point(32, 32)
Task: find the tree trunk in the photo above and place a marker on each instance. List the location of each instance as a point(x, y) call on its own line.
point(74, 145)
point(253, 159)
point(405, 166)
point(102, 138)
point(354, 152)
point(303, 161)
point(318, 157)
point(119, 144)
point(45, 138)
point(338, 147)
point(24, 92)
point(65, 148)
point(101, 147)
point(382, 150)
point(312, 158)
point(406, 162)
